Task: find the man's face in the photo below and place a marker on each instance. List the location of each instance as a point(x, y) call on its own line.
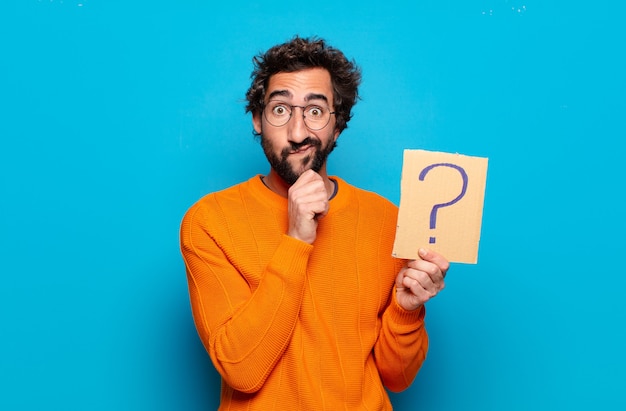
point(294, 148)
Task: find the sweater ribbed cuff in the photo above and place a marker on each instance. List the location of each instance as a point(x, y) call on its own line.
point(413, 319)
point(292, 255)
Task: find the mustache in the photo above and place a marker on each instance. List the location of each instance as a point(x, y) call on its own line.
point(306, 142)
point(293, 146)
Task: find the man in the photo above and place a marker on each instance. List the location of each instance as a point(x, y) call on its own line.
point(293, 288)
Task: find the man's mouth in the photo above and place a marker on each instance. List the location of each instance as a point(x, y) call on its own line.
point(304, 146)
point(302, 149)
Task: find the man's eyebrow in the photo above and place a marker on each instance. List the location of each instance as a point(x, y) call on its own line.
point(281, 93)
point(287, 93)
point(315, 96)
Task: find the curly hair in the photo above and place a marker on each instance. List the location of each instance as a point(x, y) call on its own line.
point(300, 54)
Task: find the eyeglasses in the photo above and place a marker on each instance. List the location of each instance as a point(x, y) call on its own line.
point(278, 113)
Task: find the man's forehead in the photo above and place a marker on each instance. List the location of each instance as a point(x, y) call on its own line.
point(304, 84)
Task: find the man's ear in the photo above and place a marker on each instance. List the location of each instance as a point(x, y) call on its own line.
point(336, 135)
point(256, 122)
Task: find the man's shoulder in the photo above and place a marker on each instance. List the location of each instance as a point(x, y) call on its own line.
point(224, 199)
point(366, 194)
point(365, 198)
point(372, 195)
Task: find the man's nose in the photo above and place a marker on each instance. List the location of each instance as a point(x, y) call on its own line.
point(298, 130)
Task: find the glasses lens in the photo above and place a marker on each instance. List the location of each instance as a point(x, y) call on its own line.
point(278, 113)
point(316, 117)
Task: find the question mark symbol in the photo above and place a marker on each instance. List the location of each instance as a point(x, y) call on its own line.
point(436, 207)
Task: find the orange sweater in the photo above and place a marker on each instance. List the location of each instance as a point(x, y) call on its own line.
point(294, 326)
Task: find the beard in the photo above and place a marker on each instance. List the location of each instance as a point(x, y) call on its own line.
point(285, 169)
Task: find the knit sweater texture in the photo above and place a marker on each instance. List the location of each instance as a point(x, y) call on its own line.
point(294, 326)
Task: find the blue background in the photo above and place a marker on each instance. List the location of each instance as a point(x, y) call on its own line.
point(116, 116)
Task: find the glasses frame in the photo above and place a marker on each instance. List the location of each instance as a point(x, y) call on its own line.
point(292, 110)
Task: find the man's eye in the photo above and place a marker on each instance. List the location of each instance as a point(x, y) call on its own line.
point(280, 111)
point(315, 111)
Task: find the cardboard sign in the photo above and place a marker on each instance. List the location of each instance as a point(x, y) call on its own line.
point(441, 205)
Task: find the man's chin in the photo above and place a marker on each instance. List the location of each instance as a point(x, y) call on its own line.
point(290, 168)
point(291, 176)
point(300, 166)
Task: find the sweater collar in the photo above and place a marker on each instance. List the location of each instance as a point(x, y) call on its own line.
point(263, 193)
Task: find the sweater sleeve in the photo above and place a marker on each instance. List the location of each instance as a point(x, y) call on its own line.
point(402, 342)
point(245, 331)
point(402, 345)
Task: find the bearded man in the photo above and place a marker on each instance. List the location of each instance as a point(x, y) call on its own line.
point(293, 288)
